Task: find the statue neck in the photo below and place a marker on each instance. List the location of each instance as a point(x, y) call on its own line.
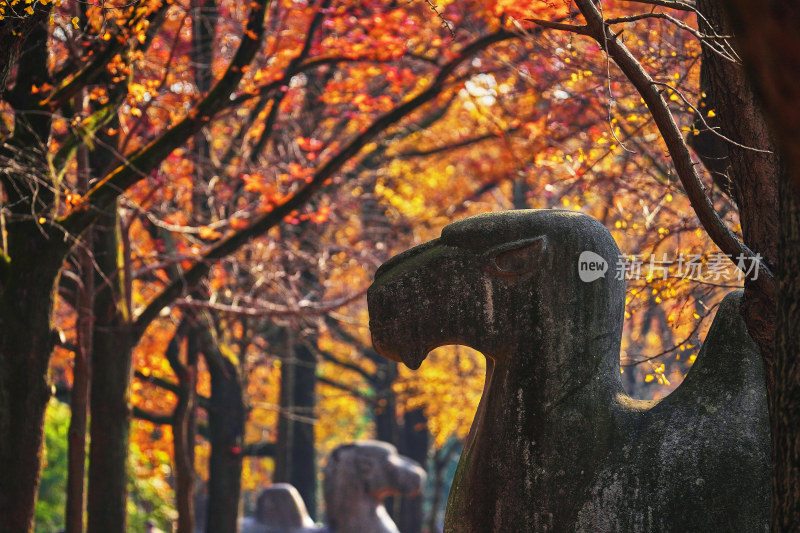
point(362, 514)
point(536, 429)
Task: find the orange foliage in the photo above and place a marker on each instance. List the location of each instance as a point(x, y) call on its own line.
point(542, 120)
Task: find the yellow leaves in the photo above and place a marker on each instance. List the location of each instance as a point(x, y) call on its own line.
point(447, 387)
point(254, 182)
point(658, 375)
point(75, 202)
point(75, 21)
point(41, 88)
point(208, 233)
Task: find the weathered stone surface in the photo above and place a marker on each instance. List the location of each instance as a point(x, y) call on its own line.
point(556, 444)
point(358, 477)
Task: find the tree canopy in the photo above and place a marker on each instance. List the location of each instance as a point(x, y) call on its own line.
point(194, 195)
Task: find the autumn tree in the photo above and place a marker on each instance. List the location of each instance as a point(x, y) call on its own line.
point(216, 149)
point(768, 46)
point(103, 52)
point(745, 155)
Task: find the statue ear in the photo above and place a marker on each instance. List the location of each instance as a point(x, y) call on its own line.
point(518, 257)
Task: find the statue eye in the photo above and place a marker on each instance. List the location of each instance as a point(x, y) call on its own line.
point(511, 261)
point(517, 257)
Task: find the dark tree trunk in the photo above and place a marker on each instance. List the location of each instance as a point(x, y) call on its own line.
point(183, 426)
point(79, 404)
point(295, 461)
point(81, 369)
point(769, 43)
point(29, 267)
point(766, 34)
point(753, 171)
point(414, 445)
point(784, 392)
point(27, 280)
point(226, 433)
point(385, 412)
point(110, 388)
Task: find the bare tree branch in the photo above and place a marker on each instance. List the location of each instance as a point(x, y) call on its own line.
point(346, 388)
point(107, 189)
point(672, 4)
point(722, 236)
point(267, 309)
point(549, 24)
point(305, 193)
point(167, 385)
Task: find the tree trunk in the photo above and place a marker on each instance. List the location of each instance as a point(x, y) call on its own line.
point(753, 171)
point(202, 13)
point(226, 419)
point(29, 267)
point(784, 394)
point(183, 426)
point(441, 460)
point(769, 60)
point(295, 461)
point(79, 404)
point(110, 388)
point(27, 277)
point(81, 369)
point(385, 413)
point(414, 445)
point(769, 43)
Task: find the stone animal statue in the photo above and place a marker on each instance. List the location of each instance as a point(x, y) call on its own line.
point(358, 477)
point(279, 509)
point(556, 444)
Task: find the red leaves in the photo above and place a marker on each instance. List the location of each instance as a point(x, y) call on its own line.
point(238, 223)
point(308, 144)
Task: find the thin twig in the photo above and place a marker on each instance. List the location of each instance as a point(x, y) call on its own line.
point(703, 120)
point(677, 346)
point(445, 23)
point(720, 233)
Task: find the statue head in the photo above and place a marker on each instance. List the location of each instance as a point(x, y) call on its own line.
point(373, 469)
point(281, 506)
point(503, 283)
